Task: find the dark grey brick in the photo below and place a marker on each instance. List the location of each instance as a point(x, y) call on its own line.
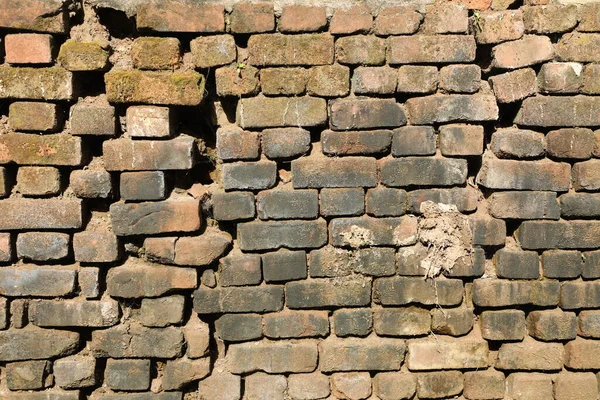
point(238, 299)
point(517, 264)
point(352, 322)
point(284, 265)
point(271, 235)
point(562, 264)
point(342, 202)
point(423, 171)
point(356, 142)
point(239, 327)
point(249, 175)
point(288, 204)
point(386, 202)
point(233, 206)
point(413, 141)
point(318, 293)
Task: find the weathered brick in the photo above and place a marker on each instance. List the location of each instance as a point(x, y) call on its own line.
point(447, 353)
point(452, 321)
point(124, 154)
point(395, 291)
point(460, 78)
point(197, 336)
point(283, 81)
point(83, 56)
point(182, 371)
point(28, 375)
point(295, 324)
point(91, 184)
point(451, 108)
point(552, 18)
point(588, 18)
point(561, 264)
point(397, 20)
point(591, 73)
point(233, 206)
point(24, 344)
point(213, 51)
point(273, 357)
point(38, 16)
point(414, 141)
point(386, 202)
point(146, 185)
point(422, 49)
point(499, 26)
point(43, 246)
point(136, 341)
point(74, 313)
point(249, 175)
point(240, 270)
point(134, 396)
point(149, 121)
point(234, 143)
point(570, 386)
point(446, 18)
point(237, 82)
point(61, 150)
point(38, 181)
point(292, 234)
point(439, 385)
point(33, 116)
point(591, 267)
point(96, 247)
point(272, 112)
point(575, 205)
point(239, 327)
point(352, 322)
point(550, 111)
point(557, 77)
point(370, 354)
point(461, 140)
point(558, 235)
point(517, 264)
point(6, 248)
point(252, 18)
point(88, 279)
point(4, 183)
point(328, 81)
point(394, 385)
point(504, 325)
point(180, 16)
point(517, 143)
point(585, 175)
point(279, 204)
point(352, 385)
point(588, 324)
point(576, 295)
point(238, 299)
point(219, 384)
point(417, 79)
point(529, 50)
point(40, 214)
point(155, 53)
point(465, 199)
point(290, 50)
point(514, 85)
point(525, 356)
point(127, 374)
point(150, 87)
point(502, 293)
point(365, 113)
point(360, 50)
point(36, 83)
point(349, 292)
point(90, 119)
point(302, 18)
point(323, 172)
point(403, 322)
point(580, 354)
point(532, 386)
point(525, 175)
point(487, 384)
point(423, 171)
point(552, 325)
point(369, 231)
point(201, 250)
point(75, 372)
point(147, 280)
point(472, 266)
point(351, 20)
point(342, 202)
point(285, 142)
point(374, 80)
point(356, 142)
point(525, 205)
point(284, 265)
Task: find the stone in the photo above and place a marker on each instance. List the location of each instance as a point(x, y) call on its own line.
point(148, 280)
point(180, 16)
point(273, 357)
point(127, 374)
point(75, 372)
point(38, 181)
point(514, 85)
point(423, 171)
point(83, 56)
point(396, 291)
point(31, 280)
point(51, 83)
point(23, 149)
point(23, 344)
point(180, 372)
point(91, 119)
point(284, 265)
point(422, 49)
point(290, 50)
point(348, 114)
point(33, 116)
point(73, 313)
point(503, 325)
point(352, 322)
point(272, 112)
point(155, 53)
point(369, 354)
point(124, 154)
point(91, 184)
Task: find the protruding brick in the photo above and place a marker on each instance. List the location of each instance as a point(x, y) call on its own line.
point(89, 282)
point(290, 50)
point(91, 184)
point(371, 354)
point(124, 154)
point(273, 112)
point(180, 16)
point(361, 50)
point(591, 81)
point(395, 291)
point(417, 79)
point(6, 248)
point(285, 142)
point(525, 175)
point(38, 181)
point(529, 50)
point(499, 26)
point(33, 116)
point(518, 143)
point(524, 205)
point(30, 214)
point(576, 295)
point(301, 18)
point(36, 83)
point(147, 280)
point(423, 171)
point(273, 357)
point(155, 53)
point(503, 325)
point(397, 20)
point(420, 49)
point(91, 119)
point(213, 51)
point(514, 85)
point(83, 56)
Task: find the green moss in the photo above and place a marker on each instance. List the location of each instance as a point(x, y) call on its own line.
point(83, 56)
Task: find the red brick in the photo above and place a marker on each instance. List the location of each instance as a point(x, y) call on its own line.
point(28, 48)
point(36, 83)
point(399, 20)
point(298, 18)
point(499, 26)
point(237, 82)
point(91, 184)
point(6, 252)
point(525, 175)
point(201, 250)
point(252, 18)
point(290, 50)
point(529, 50)
point(32, 214)
point(581, 354)
point(431, 49)
point(35, 15)
point(38, 181)
point(571, 143)
point(124, 154)
point(476, 4)
point(361, 49)
point(26, 149)
point(446, 18)
point(180, 16)
point(352, 20)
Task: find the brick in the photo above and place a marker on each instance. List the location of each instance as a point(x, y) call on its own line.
point(366, 113)
point(402, 322)
point(461, 140)
point(252, 18)
point(580, 354)
point(162, 312)
point(42, 83)
point(529, 50)
point(34, 214)
point(472, 266)
point(397, 20)
point(75, 372)
point(480, 385)
point(351, 354)
point(588, 20)
point(552, 18)
point(30, 280)
point(240, 270)
point(369, 231)
point(328, 81)
point(233, 206)
point(273, 357)
point(273, 112)
point(24, 149)
point(386, 202)
point(561, 264)
point(301, 18)
point(74, 313)
point(352, 322)
point(452, 108)
point(356, 142)
point(150, 87)
point(560, 78)
point(558, 235)
point(517, 264)
point(43, 246)
point(525, 356)
point(355, 19)
point(4, 183)
point(284, 265)
point(285, 142)
point(237, 82)
point(249, 175)
point(585, 176)
point(33, 116)
point(290, 50)
point(504, 325)
point(197, 337)
point(525, 175)
point(353, 385)
point(155, 53)
point(579, 205)
point(591, 72)
point(499, 26)
point(460, 78)
point(524, 205)
point(308, 386)
point(95, 120)
point(423, 171)
point(6, 248)
point(438, 385)
point(423, 49)
point(324, 172)
point(576, 295)
point(238, 299)
point(201, 250)
point(464, 199)
point(588, 324)
point(591, 267)
point(91, 184)
point(38, 181)
point(446, 18)
point(27, 375)
point(548, 111)
point(396, 291)
point(218, 384)
point(452, 321)
point(330, 262)
point(360, 50)
point(38, 16)
point(127, 374)
point(182, 371)
point(291, 234)
point(414, 141)
point(124, 154)
point(296, 324)
point(180, 16)
point(321, 293)
point(137, 341)
point(374, 80)
point(572, 386)
point(148, 185)
point(278, 204)
point(283, 81)
point(502, 293)
point(342, 202)
point(149, 122)
point(533, 386)
point(89, 282)
point(417, 79)
point(83, 56)
point(234, 143)
point(447, 353)
point(239, 327)
point(518, 143)
point(394, 385)
point(23, 344)
point(147, 280)
point(552, 325)
point(138, 396)
point(213, 51)
point(514, 85)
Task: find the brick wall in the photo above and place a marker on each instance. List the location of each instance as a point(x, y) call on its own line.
point(258, 201)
